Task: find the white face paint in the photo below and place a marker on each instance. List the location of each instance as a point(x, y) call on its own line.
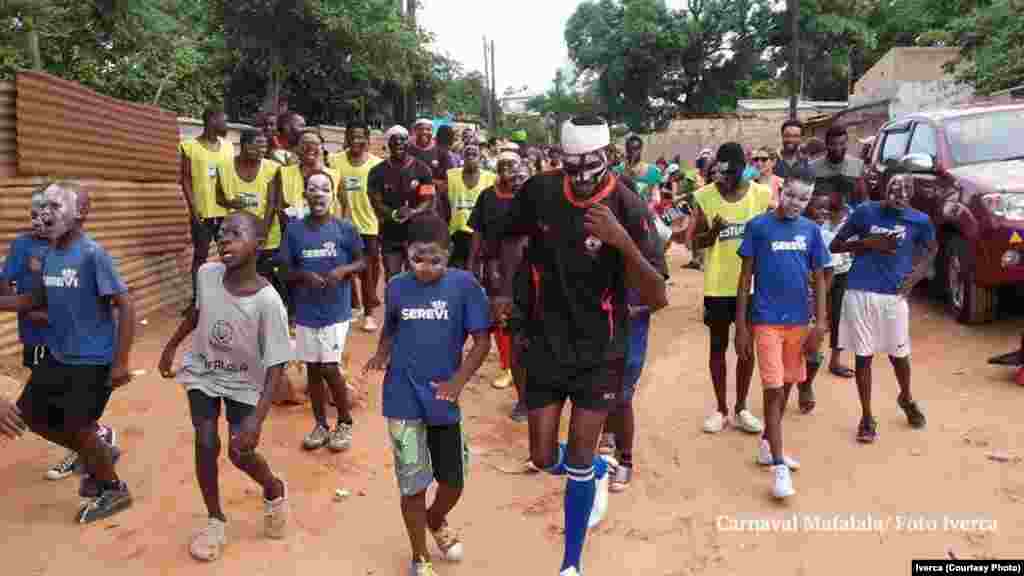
point(318, 194)
point(898, 193)
point(38, 229)
point(59, 212)
point(795, 198)
point(586, 171)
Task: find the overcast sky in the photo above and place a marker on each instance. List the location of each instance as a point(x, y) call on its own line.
point(529, 44)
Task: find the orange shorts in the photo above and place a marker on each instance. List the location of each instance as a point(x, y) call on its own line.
point(780, 354)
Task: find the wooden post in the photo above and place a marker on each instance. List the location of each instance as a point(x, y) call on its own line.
point(793, 8)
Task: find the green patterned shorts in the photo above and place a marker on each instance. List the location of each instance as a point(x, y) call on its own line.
point(427, 453)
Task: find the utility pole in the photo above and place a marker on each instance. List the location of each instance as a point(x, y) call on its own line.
point(487, 88)
point(410, 93)
point(793, 8)
point(494, 87)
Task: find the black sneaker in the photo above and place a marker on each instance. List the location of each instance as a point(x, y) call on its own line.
point(519, 413)
point(107, 504)
point(89, 487)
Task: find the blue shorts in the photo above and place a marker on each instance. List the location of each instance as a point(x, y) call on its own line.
point(636, 354)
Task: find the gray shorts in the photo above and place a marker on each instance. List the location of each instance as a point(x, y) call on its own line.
point(427, 453)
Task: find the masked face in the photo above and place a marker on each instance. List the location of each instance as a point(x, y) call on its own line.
point(318, 194)
point(820, 209)
point(586, 172)
point(237, 241)
point(269, 125)
point(398, 145)
point(795, 198)
point(358, 140)
point(726, 177)
point(256, 150)
point(423, 135)
point(633, 150)
point(522, 175)
point(38, 230)
point(791, 138)
point(59, 212)
point(898, 193)
point(295, 127)
point(507, 171)
point(428, 261)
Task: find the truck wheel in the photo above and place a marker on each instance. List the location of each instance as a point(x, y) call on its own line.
point(970, 303)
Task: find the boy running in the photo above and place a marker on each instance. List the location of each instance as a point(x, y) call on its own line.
point(587, 232)
point(896, 246)
point(723, 209)
point(322, 254)
point(88, 352)
point(354, 165)
point(21, 268)
point(428, 314)
point(238, 354)
point(781, 250)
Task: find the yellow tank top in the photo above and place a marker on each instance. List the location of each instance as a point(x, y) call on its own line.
point(463, 199)
point(253, 194)
point(293, 189)
point(353, 184)
point(204, 164)
point(721, 262)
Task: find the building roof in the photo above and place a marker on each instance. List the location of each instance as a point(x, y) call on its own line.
point(782, 104)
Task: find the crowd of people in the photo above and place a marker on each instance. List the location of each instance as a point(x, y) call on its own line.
point(557, 254)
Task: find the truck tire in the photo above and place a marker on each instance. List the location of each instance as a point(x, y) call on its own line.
point(969, 303)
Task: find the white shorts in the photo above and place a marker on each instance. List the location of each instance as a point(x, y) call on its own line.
point(874, 323)
point(323, 345)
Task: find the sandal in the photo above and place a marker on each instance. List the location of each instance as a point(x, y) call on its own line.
point(621, 478)
point(842, 371)
point(914, 415)
point(867, 432)
point(806, 397)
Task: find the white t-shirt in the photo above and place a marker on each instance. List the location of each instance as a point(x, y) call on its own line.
point(236, 340)
point(842, 261)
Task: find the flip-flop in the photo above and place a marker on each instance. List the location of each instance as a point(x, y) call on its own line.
point(867, 432)
point(842, 371)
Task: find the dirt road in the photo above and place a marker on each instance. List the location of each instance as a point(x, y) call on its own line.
point(692, 509)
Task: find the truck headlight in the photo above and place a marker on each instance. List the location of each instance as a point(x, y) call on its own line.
point(1004, 205)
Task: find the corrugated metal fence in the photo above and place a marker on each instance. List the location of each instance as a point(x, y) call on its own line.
point(125, 154)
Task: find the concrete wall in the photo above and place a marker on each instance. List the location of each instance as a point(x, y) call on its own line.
point(687, 136)
point(916, 96)
point(900, 65)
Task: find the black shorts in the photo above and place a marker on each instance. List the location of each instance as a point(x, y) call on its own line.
point(720, 310)
point(64, 397)
point(32, 356)
point(591, 388)
point(462, 243)
point(393, 244)
point(205, 408)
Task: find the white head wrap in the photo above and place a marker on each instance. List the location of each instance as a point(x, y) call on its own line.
point(509, 157)
point(396, 130)
point(580, 139)
point(424, 121)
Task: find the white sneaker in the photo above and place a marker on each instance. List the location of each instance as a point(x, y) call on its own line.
point(716, 423)
point(600, 508)
point(748, 422)
point(208, 543)
point(369, 324)
point(764, 457)
point(783, 482)
point(570, 571)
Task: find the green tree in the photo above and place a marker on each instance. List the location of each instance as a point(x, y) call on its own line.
point(991, 40)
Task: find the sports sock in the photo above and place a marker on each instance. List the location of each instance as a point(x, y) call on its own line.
point(558, 468)
point(580, 489)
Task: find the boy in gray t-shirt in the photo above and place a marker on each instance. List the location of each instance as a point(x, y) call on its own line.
point(239, 352)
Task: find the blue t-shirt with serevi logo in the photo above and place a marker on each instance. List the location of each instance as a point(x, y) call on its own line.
point(321, 249)
point(874, 271)
point(785, 252)
point(22, 266)
point(429, 324)
point(80, 280)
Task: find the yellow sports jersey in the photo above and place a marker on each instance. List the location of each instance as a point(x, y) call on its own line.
point(353, 185)
point(204, 164)
point(721, 262)
point(254, 195)
point(463, 199)
point(293, 189)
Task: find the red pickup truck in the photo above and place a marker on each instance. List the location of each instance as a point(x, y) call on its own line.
point(968, 170)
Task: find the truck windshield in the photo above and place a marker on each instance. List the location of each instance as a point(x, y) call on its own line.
point(988, 137)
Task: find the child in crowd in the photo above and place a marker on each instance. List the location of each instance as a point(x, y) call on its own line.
point(818, 211)
point(238, 354)
point(781, 249)
point(322, 254)
point(428, 315)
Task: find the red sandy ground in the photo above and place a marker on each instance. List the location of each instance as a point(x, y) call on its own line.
point(687, 483)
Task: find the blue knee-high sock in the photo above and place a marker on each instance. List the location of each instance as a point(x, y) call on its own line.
point(579, 499)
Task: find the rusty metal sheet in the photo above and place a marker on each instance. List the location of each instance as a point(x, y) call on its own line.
point(8, 157)
point(66, 130)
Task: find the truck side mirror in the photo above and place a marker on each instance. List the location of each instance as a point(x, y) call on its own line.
point(919, 163)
